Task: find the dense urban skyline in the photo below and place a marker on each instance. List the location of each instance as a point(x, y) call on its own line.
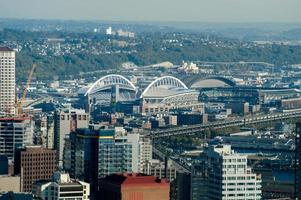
point(137, 10)
point(146, 100)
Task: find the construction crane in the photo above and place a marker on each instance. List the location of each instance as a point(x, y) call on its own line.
point(19, 102)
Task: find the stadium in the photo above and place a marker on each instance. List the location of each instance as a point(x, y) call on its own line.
point(166, 93)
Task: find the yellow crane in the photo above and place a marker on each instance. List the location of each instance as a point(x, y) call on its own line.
point(19, 102)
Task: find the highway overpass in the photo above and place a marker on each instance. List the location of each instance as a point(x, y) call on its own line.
point(240, 122)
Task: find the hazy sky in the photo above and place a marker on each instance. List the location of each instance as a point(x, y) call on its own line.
point(156, 10)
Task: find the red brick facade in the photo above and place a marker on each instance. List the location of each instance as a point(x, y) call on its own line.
point(134, 187)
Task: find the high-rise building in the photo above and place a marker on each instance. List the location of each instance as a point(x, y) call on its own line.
point(117, 153)
point(224, 174)
point(50, 132)
point(61, 187)
point(15, 133)
point(40, 121)
point(113, 152)
point(180, 187)
point(145, 152)
point(7, 81)
point(81, 155)
point(298, 162)
point(66, 121)
point(198, 181)
point(94, 153)
point(133, 186)
point(34, 163)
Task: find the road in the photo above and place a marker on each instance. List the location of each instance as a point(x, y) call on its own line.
point(240, 121)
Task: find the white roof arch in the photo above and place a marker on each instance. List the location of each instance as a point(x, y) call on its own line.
point(108, 80)
point(164, 80)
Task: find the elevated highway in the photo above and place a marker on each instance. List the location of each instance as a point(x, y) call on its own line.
point(179, 167)
point(240, 121)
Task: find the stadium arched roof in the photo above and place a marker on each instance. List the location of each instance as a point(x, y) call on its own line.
point(212, 82)
point(110, 80)
point(169, 82)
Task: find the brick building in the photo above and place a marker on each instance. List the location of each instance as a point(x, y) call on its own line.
point(34, 163)
point(133, 187)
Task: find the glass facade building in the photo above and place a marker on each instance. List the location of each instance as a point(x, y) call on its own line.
point(115, 154)
point(92, 154)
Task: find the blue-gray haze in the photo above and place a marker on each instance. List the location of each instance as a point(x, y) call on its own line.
point(156, 10)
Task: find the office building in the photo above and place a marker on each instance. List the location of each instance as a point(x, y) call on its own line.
point(224, 174)
point(105, 151)
point(66, 121)
point(198, 181)
point(49, 142)
point(40, 121)
point(298, 162)
point(145, 152)
point(94, 153)
point(34, 163)
point(133, 186)
point(61, 187)
point(180, 188)
point(7, 81)
point(15, 133)
point(157, 169)
point(81, 155)
point(117, 153)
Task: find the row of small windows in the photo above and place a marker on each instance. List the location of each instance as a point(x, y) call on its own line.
point(241, 189)
point(233, 184)
point(234, 160)
point(7, 57)
point(79, 117)
point(155, 109)
point(239, 178)
point(242, 195)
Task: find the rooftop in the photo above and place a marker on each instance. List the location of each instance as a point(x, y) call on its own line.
point(5, 49)
point(134, 178)
point(36, 148)
point(14, 118)
point(86, 132)
point(64, 179)
point(166, 91)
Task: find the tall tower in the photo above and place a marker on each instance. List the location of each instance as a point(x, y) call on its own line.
point(66, 121)
point(298, 162)
point(7, 81)
point(223, 174)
